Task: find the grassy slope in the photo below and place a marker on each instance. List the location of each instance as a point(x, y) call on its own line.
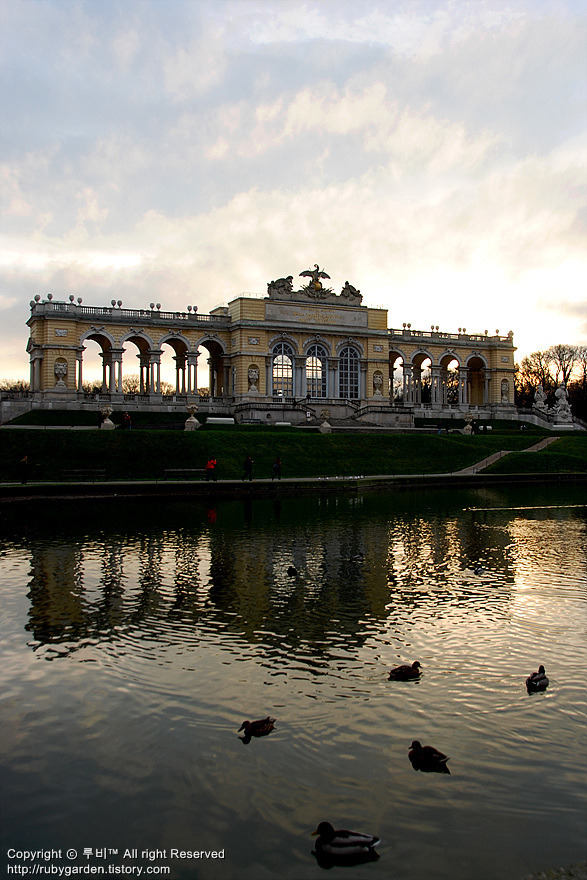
point(140, 454)
point(568, 454)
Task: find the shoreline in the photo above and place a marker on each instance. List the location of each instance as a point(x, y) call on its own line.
point(288, 486)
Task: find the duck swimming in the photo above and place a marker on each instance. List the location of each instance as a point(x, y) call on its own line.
point(427, 758)
point(537, 681)
point(344, 846)
point(257, 728)
point(405, 673)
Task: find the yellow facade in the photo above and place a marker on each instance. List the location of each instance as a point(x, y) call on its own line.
point(305, 352)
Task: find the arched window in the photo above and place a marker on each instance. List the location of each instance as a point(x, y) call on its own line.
point(283, 385)
point(348, 373)
point(316, 371)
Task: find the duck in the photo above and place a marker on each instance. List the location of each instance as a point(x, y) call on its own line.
point(344, 846)
point(538, 681)
point(405, 673)
point(257, 728)
point(427, 758)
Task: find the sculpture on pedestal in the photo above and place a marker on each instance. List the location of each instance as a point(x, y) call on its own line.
point(539, 399)
point(60, 370)
point(253, 376)
point(562, 410)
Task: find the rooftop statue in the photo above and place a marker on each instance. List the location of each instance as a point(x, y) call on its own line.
point(282, 289)
point(315, 274)
point(350, 292)
point(282, 285)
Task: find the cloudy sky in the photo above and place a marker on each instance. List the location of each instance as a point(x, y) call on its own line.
point(431, 152)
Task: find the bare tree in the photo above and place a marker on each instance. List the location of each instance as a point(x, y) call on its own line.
point(582, 365)
point(537, 369)
point(14, 385)
point(564, 359)
point(131, 384)
point(93, 386)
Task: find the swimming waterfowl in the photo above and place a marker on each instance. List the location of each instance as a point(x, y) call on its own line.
point(258, 728)
point(537, 681)
point(405, 673)
point(343, 845)
point(427, 758)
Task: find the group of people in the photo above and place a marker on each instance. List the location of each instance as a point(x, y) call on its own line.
point(247, 469)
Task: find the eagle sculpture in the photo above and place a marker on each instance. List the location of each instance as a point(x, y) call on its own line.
point(315, 274)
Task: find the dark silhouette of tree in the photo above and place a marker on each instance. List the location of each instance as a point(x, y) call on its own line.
point(564, 359)
point(559, 363)
point(12, 385)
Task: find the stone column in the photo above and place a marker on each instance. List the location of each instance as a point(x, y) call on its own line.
point(36, 361)
point(436, 387)
point(362, 379)
point(463, 389)
point(192, 361)
point(331, 378)
point(211, 378)
point(408, 390)
point(116, 370)
point(155, 371)
point(299, 387)
point(106, 370)
point(79, 362)
point(417, 385)
point(486, 388)
point(144, 386)
point(226, 377)
point(180, 384)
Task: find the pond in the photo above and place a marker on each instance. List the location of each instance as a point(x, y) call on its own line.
point(139, 635)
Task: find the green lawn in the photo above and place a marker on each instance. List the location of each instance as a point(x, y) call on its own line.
point(567, 455)
point(142, 454)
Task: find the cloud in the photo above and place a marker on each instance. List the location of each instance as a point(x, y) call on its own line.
point(431, 152)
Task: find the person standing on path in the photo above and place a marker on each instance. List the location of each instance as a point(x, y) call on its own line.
point(248, 468)
point(276, 473)
point(211, 470)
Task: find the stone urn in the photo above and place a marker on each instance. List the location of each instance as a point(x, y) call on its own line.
point(107, 424)
point(191, 423)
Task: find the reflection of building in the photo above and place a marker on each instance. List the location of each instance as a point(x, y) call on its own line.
point(280, 357)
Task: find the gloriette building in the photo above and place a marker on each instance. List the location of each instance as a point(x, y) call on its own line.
point(292, 355)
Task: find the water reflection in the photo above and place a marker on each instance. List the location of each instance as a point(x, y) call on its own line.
point(255, 572)
point(169, 624)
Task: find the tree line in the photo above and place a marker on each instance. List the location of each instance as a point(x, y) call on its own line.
point(558, 364)
point(130, 385)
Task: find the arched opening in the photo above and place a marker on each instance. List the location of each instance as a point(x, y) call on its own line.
point(105, 378)
point(451, 392)
point(218, 370)
point(282, 381)
point(146, 380)
point(477, 380)
point(91, 364)
point(174, 363)
point(316, 372)
point(396, 378)
point(349, 373)
point(422, 378)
